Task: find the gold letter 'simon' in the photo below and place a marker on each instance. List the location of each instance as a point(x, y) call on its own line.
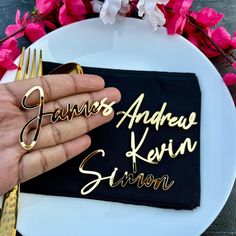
point(128, 178)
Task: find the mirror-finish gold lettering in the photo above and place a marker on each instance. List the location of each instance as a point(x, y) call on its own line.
point(157, 119)
point(128, 178)
point(87, 109)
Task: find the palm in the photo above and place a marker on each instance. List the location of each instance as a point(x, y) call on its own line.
point(16, 164)
point(12, 119)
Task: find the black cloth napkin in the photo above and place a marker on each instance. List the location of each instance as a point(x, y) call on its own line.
point(182, 93)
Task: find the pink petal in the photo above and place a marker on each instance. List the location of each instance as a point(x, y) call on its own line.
point(76, 8)
point(49, 24)
point(222, 37)
point(175, 25)
point(12, 29)
point(234, 65)
point(12, 45)
point(210, 53)
point(17, 18)
point(25, 19)
point(45, 7)
point(207, 17)
point(34, 31)
point(230, 79)
point(8, 52)
point(64, 17)
point(176, 20)
point(6, 60)
point(196, 39)
point(233, 42)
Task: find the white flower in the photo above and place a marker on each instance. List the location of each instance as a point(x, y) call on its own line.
point(151, 13)
point(125, 8)
point(110, 10)
point(97, 5)
point(155, 18)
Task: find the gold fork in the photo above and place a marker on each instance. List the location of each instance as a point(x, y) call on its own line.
point(8, 218)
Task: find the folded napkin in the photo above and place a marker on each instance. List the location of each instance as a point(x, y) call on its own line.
point(177, 179)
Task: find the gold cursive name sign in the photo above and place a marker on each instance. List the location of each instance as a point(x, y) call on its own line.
point(157, 119)
point(154, 156)
point(128, 178)
point(87, 109)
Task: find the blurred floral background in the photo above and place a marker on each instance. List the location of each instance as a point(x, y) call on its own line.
point(201, 27)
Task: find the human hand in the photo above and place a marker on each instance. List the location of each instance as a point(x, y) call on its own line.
point(57, 142)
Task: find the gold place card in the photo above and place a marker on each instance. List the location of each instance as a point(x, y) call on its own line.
point(60, 114)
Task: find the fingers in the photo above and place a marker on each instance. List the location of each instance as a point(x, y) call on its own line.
point(112, 94)
point(55, 86)
point(54, 134)
point(37, 162)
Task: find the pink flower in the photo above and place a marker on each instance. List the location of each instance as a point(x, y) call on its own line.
point(45, 7)
point(19, 24)
point(176, 20)
point(6, 60)
point(74, 10)
point(222, 37)
point(207, 17)
point(219, 35)
point(230, 79)
point(34, 31)
point(197, 38)
point(12, 45)
point(8, 53)
point(64, 17)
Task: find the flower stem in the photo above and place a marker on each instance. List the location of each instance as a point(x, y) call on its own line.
point(13, 34)
point(232, 55)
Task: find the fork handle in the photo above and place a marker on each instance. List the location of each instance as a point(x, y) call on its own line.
point(8, 218)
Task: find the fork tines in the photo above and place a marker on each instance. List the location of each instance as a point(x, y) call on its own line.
point(28, 64)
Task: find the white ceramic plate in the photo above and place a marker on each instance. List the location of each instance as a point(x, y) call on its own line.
point(132, 45)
